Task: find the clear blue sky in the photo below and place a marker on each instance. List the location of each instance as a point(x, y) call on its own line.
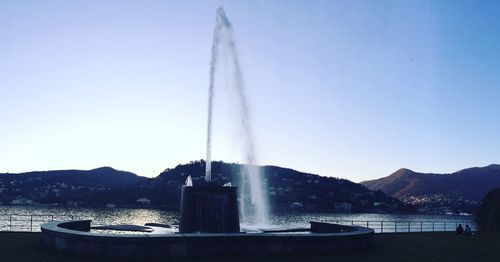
point(352, 89)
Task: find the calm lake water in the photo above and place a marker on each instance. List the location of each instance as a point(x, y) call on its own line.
point(27, 218)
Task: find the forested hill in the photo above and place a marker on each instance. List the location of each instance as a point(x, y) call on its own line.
point(61, 186)
point(287, 188)
point(470, 184)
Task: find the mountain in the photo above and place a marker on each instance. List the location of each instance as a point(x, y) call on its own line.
point(59, 186)
point(287, 188)
point(467, 186)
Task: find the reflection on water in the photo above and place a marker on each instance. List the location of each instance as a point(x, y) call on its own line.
point(19, 217)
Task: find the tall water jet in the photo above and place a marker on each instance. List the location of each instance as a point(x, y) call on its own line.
point(254, 205)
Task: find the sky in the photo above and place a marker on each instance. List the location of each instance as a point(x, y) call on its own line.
point(350, 89)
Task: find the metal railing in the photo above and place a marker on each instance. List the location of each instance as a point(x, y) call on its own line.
point(31, 223)
point(408, 226)
point(28, 223)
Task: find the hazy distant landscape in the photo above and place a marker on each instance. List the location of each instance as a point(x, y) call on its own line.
point(287, 189)
point(440, 193)
point(402, 191)
point(112, 113)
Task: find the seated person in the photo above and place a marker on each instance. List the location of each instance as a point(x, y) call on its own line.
point(467, 230)
point(460, 230)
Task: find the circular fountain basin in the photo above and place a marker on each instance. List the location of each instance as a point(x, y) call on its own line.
point(78, 238)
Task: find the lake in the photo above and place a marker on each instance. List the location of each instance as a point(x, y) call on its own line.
point(29, 218)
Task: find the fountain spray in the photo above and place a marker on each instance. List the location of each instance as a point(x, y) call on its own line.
point(256, 198)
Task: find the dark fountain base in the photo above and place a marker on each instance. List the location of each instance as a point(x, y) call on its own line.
point(209, 227)
point(158, 244)
point(209, 208)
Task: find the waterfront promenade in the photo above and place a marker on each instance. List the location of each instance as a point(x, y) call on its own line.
point(438, 246)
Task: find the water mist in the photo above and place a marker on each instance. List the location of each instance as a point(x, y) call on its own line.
point(253, 199)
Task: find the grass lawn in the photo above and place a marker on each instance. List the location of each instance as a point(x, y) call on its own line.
point(401, 247)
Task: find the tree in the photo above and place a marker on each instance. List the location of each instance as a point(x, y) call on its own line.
point(488, 213)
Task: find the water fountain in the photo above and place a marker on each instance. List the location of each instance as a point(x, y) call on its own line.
point(254, 206)
point(209, 224)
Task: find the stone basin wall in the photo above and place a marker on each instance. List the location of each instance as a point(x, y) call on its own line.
point(203, 245)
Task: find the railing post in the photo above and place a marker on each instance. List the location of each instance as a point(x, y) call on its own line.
point(409, 226)
point(381, 226)
point(395, 227)
point(421, 226)
point(367, 223)
point(444, 226)
point(27, 222)
point(432, 226)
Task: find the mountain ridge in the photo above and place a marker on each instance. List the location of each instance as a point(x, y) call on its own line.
point(102, 175)
point(287, 188)
point(468, 185)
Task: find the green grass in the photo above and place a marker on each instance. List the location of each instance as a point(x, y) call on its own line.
point(402, 247)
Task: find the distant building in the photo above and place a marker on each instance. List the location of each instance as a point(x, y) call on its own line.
point(343, 207)
point(22, 201)
point(143, 201)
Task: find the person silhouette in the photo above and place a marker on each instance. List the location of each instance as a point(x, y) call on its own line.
point(460, 230)
point(467, 230)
